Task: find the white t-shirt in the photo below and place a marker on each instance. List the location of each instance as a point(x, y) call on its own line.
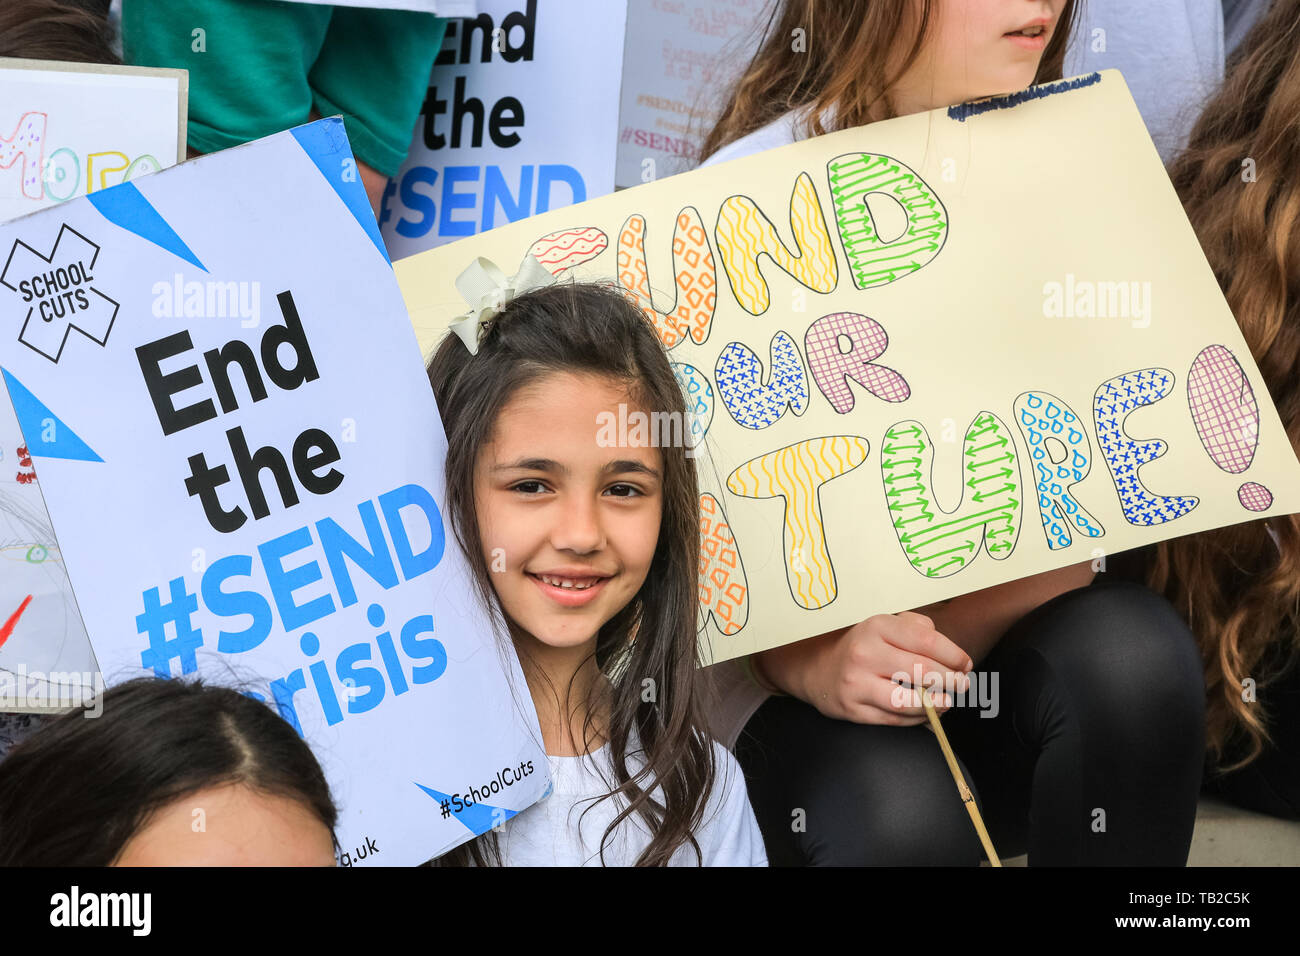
point(782, 131)
point(555, 832)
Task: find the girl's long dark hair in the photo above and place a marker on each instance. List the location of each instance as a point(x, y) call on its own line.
point(845, 72)
point(78, 789)
point(585, 328)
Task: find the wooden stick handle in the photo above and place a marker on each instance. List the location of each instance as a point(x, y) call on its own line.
point(966, 796)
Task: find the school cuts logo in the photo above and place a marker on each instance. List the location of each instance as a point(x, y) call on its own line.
point(58, 293)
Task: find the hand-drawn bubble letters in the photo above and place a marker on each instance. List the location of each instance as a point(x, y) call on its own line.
point(1037, 449)
point(57, 174)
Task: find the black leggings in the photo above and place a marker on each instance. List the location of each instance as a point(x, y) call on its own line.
point(1094, 756)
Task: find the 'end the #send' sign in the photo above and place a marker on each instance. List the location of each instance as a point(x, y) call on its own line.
point(990, 347)
point(247, 485)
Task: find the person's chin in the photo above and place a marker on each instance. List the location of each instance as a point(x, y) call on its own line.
point(561, 630)
point(559, 638)
point(1009, 86)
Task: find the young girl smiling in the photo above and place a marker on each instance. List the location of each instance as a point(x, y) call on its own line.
point(586, 555)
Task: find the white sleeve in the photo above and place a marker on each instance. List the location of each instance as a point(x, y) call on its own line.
point(780, 132)
point(729, 834)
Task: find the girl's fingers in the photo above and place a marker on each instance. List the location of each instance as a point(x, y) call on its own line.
point(917, 671)
point(870, 714)
point(915, 633)
point(907, 700)
point(890, 679)
point(879, 694)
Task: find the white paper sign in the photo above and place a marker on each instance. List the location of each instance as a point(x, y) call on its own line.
point(65, 129)
point(521, 117)
point(681, 58)
point(45, 657)
point(241, 453)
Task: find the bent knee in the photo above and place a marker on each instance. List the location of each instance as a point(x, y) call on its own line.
point(1122, 648)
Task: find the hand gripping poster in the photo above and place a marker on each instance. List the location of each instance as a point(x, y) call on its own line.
point(922, 357)
point(241, 455)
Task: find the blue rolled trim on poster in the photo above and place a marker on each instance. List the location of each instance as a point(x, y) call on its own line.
point(124, 205)
point(964, 111)
point(326, 143)
point(478, 818)
point(35, 418)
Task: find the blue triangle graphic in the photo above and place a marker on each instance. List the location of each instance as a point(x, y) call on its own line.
point(124, 205)
point(326, 144)
point(34, 418)
point(478, 818)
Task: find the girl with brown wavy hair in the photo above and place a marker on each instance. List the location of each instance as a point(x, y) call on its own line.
point(1091, 752)
point(868, 60)
point(584, 544)
point(1239, 587)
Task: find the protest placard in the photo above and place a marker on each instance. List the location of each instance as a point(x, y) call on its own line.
point(923, 357)
point(498, 138)
point(240, 451)
point(65, 129)
point(678, 57)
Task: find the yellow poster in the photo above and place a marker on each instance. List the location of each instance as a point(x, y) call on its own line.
point(923, 357)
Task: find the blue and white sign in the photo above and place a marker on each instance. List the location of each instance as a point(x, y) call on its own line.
point(521, 117)
point(219, 385)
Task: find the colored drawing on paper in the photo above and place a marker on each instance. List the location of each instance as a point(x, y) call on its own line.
point(11, 622)
point(100, 165)
point(724, 590)
point(565, 249)
point(965, 111)
point(739, 374)
point(796, 473)
point(833, 366)
point(26, 144)
point(1114, 401)
point(55, 174)
point(44, 639)
point(1254, 497)
point(141, 166)
point(1061, 457)
point(1223, 409)
point(1226, 416)
point(873, 259)
point(744, 234)
point(700, 402)
point(26, 474)
point(938, 543)
point(25, 531)
point(694, 274)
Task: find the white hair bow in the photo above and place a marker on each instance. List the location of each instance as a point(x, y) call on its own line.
point(487, 290)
